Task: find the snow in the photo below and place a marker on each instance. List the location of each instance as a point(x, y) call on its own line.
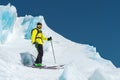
point(82, 61)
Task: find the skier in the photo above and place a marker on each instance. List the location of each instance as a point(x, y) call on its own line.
point(37, 38)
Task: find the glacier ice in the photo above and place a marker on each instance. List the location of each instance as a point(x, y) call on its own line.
point(7, 19)
point(8, 16)
point(27, 59)
point(29, 22)
point(71, 73)
point(97, 75)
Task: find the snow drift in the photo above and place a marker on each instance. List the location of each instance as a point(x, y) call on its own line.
point(82, 61)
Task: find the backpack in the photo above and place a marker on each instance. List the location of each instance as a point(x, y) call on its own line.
point(38, 31)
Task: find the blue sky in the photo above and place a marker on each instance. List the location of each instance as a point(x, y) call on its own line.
point(94, 22)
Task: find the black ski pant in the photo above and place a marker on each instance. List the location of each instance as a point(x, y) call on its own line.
point(39, 48)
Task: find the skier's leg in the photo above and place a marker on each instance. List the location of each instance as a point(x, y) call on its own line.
point(40, 54)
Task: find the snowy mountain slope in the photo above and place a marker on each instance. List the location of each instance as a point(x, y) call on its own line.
point(82, 61)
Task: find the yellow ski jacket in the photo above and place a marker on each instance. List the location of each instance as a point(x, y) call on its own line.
point(38, 36)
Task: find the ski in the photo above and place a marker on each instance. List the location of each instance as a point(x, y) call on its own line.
point(54, 67)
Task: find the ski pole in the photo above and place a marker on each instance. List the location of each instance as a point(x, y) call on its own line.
point(53, 52)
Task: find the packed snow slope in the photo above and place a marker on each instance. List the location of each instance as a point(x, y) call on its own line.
point(82, 61)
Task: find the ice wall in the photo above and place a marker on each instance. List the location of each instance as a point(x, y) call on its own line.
point(7, 19)
point(29, 23)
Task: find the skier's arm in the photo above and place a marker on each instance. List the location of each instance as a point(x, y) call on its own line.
point(34, 33)
point(44, 38)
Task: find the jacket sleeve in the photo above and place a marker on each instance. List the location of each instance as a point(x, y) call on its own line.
point(44, 38)
point(34, 33)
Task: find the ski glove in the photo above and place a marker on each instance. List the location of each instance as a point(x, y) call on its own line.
point(50, 38)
